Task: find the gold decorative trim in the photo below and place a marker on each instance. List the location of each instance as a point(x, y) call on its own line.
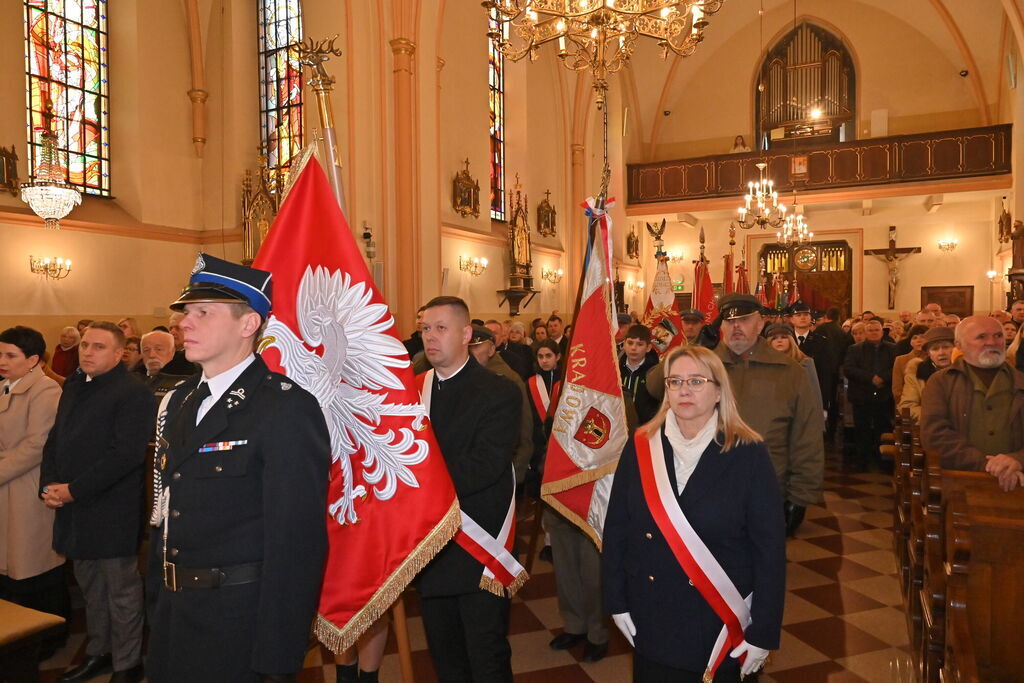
point(495, 587)
point(297, 166)
point(548, 491)
point(337, 640)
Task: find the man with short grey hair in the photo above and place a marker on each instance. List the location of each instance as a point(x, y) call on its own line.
point(972, 413)
point(157, 350)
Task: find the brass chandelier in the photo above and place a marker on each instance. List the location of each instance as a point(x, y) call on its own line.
point(598, 35)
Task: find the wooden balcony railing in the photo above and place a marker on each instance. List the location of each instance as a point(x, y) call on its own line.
point(965, 153)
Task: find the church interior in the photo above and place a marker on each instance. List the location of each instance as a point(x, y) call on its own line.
point(888, 131)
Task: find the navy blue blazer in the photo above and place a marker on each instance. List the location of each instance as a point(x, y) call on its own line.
point(732, 501)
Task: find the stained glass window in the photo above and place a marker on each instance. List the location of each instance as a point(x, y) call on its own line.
point(280, 32)
point(66, 69)
point(496, 81)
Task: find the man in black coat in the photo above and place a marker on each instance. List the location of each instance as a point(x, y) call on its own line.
point(91, 474)
point(814, 342)
point(837, 342)
point(475, 415)
point(237, 558)
point(868, 367)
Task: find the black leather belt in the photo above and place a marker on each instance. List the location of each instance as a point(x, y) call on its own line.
point(178, 578)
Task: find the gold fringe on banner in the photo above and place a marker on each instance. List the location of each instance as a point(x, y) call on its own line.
point(548, 491)
point(337, 640)
point(492, 585)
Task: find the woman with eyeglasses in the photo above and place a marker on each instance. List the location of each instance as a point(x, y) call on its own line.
point(694, 553)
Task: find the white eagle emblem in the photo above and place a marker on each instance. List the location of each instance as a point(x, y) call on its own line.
point(335, 315)
point(200, 264)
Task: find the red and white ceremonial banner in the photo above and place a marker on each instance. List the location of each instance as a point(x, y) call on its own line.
point(589, 428)
point(391, 505)
point(703, 292)
point(700, 565)
point(662, 314)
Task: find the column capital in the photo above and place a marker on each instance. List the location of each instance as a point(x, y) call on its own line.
point(402, 46)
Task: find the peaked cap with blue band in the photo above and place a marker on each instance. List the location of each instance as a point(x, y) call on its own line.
point(218, 281)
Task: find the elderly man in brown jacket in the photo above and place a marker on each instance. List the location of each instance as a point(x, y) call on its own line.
point(775, 397)
point(972, 413)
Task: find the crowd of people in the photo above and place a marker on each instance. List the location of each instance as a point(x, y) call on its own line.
point(729, 432)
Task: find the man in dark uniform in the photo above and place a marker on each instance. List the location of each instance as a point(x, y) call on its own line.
point(816, 344)
point(91, 474)
point(241, 487)
point(475, 415)
point(695, 331)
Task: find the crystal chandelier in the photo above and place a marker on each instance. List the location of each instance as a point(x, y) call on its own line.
point(48, 194)
point(761, 204)
point(599, 35)
point(794, 231)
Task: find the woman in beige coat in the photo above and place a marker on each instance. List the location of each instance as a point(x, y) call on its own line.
point(31, 573)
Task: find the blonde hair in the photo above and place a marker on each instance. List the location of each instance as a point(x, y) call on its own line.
point(793, 351)
point(730, 423)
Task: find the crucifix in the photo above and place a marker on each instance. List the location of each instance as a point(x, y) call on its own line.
point(892, 257)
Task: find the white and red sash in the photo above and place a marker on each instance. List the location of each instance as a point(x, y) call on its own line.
point(542, 402)
point(693, 556)
point(502, 575)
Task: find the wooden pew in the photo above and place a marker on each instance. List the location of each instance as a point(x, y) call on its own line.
point(945, 494)
point(901, 492)
point(984, 625)
point(914, 547)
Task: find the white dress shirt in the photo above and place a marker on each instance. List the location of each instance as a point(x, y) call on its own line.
point(219, 384)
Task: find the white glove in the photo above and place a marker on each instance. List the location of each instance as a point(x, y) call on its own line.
point(755, 657)
point(625, 624)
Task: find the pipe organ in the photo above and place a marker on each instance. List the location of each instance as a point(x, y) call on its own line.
point(806, 88)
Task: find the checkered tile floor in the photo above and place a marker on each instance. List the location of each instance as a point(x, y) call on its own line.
point(843, 621)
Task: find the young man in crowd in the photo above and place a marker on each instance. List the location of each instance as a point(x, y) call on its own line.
point(633, 367)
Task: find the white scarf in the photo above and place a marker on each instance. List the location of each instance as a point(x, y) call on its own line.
point(686, 452)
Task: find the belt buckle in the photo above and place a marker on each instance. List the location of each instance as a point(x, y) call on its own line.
point(170, 576)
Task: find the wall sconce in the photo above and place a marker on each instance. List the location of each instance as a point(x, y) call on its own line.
point(54, 269)
point(473, 266)
point(994, 277)
point(637, 286)
point(674, 256)
point(947, 245)
point(551, 275)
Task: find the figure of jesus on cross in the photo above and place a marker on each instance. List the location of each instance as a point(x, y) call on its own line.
point(892, 257)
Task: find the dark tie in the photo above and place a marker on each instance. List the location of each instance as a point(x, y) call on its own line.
point(7, 389)
point(800, 340)
point(195, 399)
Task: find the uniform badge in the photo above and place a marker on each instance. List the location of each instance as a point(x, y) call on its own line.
point(200, 264)
point(285, 386)
point(235, 397)
point(163, 462)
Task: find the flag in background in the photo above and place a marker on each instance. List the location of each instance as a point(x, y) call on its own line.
point(391, 504)
point(703, 292)
point(661, 314)
point(589, 428)
point(742, 284)
point(727, 287)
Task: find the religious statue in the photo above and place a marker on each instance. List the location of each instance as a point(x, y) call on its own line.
point(519, 232)
point(546, 216)
point(1004, 224)
point(892, 257)
point(632, 244)
point(1017, 237)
